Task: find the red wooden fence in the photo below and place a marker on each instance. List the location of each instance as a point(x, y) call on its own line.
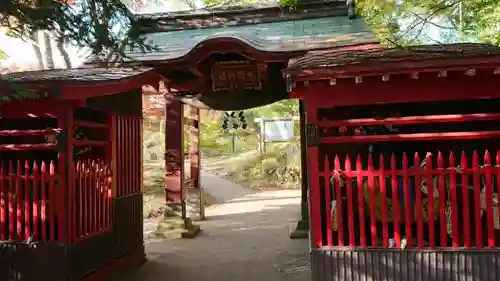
point(128, 155)
point(28, 199)
point(93, 188)
point(462, 212)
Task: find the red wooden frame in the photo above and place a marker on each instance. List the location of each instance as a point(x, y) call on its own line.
point(375, 91)
point(94, 215)
point(358, 87)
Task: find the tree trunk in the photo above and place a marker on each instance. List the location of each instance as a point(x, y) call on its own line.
point(64, 54)
point(36, 48)
point(48, 51)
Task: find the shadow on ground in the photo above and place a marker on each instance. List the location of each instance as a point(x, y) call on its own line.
point(240, 242)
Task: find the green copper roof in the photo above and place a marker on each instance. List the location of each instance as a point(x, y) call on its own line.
point(283, 36)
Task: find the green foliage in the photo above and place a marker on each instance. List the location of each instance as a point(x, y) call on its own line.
point(104, 26)
point(406, 23)
point(215, 140)
point(290, 4)
point(275, 169)
point(285, 108)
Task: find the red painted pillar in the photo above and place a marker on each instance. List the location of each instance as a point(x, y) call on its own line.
point(312, 139)
point(65, 190)
point(174, 160)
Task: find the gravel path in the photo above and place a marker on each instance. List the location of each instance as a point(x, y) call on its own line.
point(244, 239)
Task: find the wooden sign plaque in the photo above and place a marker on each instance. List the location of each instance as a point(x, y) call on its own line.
point(232, 75)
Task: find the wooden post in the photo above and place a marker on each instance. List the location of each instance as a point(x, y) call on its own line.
point(302, 229)
point(66, 170)
point(195, 156)
point(314, 202)
point(174, 160)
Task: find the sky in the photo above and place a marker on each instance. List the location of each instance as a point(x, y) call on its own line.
point(22, 53)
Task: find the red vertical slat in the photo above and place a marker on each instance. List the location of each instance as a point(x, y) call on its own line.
point(134, 159)
point(137, 159)
point(43, 208)
point(123, 171)
point(84, 178)
point(119, 156)
point(81, 201)
point(128, 157)
point(103, 193)
point(350, 202)
point(383, 194)
point(104, 196)
point(465, 200)
point(3, 203)
point(395, 202)
point(489, 200)
point(19, 203)
point(27, 201)
point(109, 197)
point(36, 202)
point(315, 196)
point(418, 202)
point(12, 203)
point(442, 203)
point(328, 209)
point(131, 147)
point(52, 200)
point(454, 201)
point(93, 197)
point(140, 160)
point(372, 203)
point(361, 200)
point(476, 177)
point(86, 185)
point(497, 162)
point(119, 159)
point(430, 200)
point(99, 193)
point(124, 157)
point(84, 174)
point(338, 197)
point(70, 182)
point(407, 210)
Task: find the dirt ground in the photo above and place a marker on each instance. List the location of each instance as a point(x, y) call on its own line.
point(245, 238)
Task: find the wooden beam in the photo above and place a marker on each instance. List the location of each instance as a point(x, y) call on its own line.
point(412, 137)
point(399, 91)
point(449, 118)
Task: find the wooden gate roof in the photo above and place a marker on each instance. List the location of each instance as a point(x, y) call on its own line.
point(393, 60)
point(79, 83)
point(270, 29)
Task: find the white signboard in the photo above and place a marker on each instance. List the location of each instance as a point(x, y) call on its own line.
point(278, 130)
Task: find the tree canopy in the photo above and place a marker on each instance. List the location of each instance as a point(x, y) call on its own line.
point(104, 26)
point(404, 22)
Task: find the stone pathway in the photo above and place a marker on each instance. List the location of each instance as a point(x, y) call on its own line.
point(246, 238)
point(222, 190)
